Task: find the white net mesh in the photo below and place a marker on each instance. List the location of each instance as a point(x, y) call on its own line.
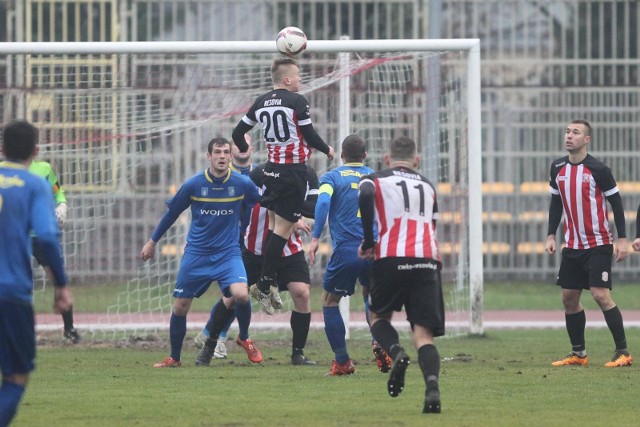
point(123, 131)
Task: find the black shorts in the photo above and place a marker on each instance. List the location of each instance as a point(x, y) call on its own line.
point(586, 268)
point(410, 282)
point(285, 189)
point(292, 268)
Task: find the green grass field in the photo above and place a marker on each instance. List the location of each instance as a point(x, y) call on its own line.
point(502, 379)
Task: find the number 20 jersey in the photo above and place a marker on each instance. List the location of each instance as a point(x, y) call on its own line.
point(280, 114)
point(406, 210)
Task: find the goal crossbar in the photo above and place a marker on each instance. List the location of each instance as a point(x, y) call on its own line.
point(317, 46)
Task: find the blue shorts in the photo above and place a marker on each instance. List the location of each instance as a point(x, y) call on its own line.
point(198, 271)
point(344, 268)
point(17, 338)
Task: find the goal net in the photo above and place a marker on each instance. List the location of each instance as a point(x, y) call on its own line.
point(124, 124)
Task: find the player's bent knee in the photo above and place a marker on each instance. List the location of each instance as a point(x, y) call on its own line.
point(330, 300)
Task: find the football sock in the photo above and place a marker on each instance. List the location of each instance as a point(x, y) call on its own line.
point(225, 330)
point(209, 324)
point(613, 317)
point(366, 309)
point(266, 239)
point(429, 360)
point(300, 327)
point(67, 318)
point(243, 313)
point(10, 396)
point(263, 286)
point(271, 259)
point(367, 317)
point(387, 337)
point(575, 328)
point(335, 330)
point(177, 331)
point(219, 319)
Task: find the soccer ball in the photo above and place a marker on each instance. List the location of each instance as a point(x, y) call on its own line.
point(291, 41)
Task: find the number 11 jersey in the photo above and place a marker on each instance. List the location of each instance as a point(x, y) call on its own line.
point(406, 210)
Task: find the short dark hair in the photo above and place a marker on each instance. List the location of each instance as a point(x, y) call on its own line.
point(19, 139)
point(403, 148)
point(217, 141)
point(276, 68)
point(586, 124)
point(353, 148)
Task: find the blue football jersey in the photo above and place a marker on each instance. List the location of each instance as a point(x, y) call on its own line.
point(215, 211)
point(26, 206)
point(339, 190)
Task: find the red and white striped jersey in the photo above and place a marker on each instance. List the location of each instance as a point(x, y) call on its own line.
point(583, 188)
point(280, 114)
point(256, 234)
point(406, 210)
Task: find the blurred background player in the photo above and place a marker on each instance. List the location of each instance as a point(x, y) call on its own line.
point(25, 205)
point(284, 116)
point(45, 170)
point(212, 252)
point(406, 270)
point(241, 163)
point(338, 200)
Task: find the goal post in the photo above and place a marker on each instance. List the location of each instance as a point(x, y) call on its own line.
point(125, 123)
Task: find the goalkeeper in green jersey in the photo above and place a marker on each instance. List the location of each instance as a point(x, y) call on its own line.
point(44, 169)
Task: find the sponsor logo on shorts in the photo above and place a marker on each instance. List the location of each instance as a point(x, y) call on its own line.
point(605, 276)
point(272, 174)
point(421, 266)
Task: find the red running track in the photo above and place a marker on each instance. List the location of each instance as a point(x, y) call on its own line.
point(498, 319)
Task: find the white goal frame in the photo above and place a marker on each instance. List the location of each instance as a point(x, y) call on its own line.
point(474, 129)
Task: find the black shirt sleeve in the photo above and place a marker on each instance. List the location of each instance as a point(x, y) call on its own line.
point(555, 214)
point(313, 139)
point(238, 136)
point(618, 214)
